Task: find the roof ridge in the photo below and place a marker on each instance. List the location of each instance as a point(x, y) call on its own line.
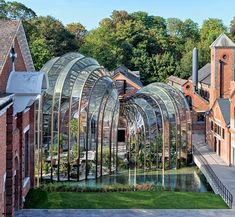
point(12, 41)
point(223, 41)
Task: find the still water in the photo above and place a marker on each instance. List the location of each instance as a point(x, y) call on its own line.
point(185, 179)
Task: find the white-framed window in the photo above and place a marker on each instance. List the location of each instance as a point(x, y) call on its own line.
point(26, 153)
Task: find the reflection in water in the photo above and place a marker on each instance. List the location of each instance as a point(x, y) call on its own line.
point(185, 179)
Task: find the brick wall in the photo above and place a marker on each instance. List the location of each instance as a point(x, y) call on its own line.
point(199, 105)
point(19, 65)
point(3, 162)
point(216, 117)
point(232, 122)
point(226, 55)
point(16, 185)
point(131, 87)
point(9, 163)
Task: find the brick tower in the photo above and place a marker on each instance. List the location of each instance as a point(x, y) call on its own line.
point(222, 68)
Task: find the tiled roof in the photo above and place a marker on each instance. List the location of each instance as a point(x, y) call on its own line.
point(129, 74)
point(25, 49)
point(204, 74)
point(177, 80)
point(223, 41)
point(224, 105)
point(207, 80)
point(8, 30)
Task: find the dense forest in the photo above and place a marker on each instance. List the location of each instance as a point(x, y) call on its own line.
point(155, 46)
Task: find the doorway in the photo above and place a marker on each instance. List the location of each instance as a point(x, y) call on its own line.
point(215, 144)
point(219, 144)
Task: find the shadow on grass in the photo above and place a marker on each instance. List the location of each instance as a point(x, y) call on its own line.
point(36, 198)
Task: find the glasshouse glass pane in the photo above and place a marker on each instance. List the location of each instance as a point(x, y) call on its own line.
point(86, 129)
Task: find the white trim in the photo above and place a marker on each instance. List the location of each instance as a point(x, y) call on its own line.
point(4, 186)
point(26, 180)
point(217, 121)
point(26, 110)
point(4, 178)
point(217, 136)
point(4, 182)
point(26, 128)
point(4, 110)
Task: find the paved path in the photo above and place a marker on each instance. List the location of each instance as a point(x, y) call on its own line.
point(225, 173)
point(126, 213)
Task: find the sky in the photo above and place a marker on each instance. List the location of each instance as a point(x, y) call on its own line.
point(90, 12)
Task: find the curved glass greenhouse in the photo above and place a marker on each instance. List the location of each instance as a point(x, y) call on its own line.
point(82, 112)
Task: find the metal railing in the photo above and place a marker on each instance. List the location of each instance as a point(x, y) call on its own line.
point(222, 190)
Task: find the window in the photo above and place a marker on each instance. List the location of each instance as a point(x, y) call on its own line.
point(189, 100)
point(200, 117)
point(212, 125)
point(188, 87)
point(223, 133)
point(219, 130)
point(121, 135)
point(26, 154)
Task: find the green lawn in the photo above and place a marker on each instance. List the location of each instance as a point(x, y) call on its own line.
point(126, 200)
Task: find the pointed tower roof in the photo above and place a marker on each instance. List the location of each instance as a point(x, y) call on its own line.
point(223, 41)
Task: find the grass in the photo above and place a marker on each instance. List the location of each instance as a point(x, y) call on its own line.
point(123, 200)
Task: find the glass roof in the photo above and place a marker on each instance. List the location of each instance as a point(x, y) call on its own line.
point(82, 115)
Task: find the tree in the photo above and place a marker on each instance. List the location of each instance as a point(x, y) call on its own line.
point(232, 28)
point(175, 27)
point(3, 12)
point(190, 30)
point(40, 52)
point(210, 30)
point(163, 65)
point(78, 30)
point(150, 22)
point(132, 40)
point(154, 46)
point(50, 37)
point(120, 17)
point(15, 10)
point(101, 45)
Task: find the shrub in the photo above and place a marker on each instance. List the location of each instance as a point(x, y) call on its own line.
point(75, 187)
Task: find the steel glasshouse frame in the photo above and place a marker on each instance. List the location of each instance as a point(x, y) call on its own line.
point(78, 123)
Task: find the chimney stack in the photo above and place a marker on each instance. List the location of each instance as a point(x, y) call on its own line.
point(195, 69)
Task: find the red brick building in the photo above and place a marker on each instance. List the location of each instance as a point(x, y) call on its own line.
point(128, 83)
point(213, 100)
point(17, 116)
